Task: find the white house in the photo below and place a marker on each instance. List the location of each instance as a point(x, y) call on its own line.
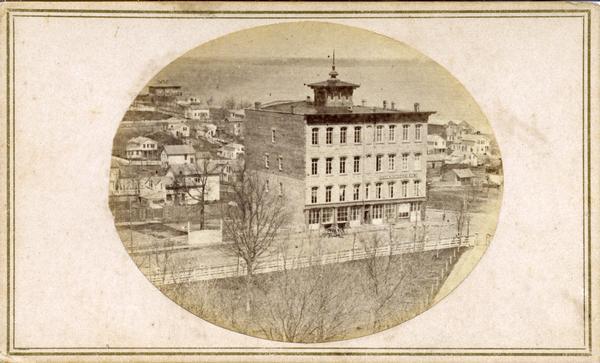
point(464, 157)
point(197, 112)
point(477, 143)
point(179, 129)
point(186, 182)
point(436, 144)
point(153, 189)
point(177, 154)
point(231, 150)
point(141, 148)
point(207, 130)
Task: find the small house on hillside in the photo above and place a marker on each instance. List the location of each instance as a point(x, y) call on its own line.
point(177, 154)
point(464, 157)
point(179, 129)
point(231, 151)
point(436, 144)
point(187, 181)
point(435, 163)
point(458, 176)
point(142, 148)
point(196, 111)
point(153, 190)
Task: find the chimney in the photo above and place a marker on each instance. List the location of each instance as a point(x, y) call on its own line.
point(363, 103)
point(384, 104)
point(257, 105)
point(292, 108)
point(393, 105)
point(416, 107)
point(308, 99)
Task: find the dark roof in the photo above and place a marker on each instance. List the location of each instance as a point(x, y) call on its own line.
point(179, 149)
point(203, 144)
point(139, 171)
point(463, 173)
point(436, 129)
point(144, 115)
point(164, 86)
point(192, 169)
point(333, 82)
point(164, 138)
point(308, 108)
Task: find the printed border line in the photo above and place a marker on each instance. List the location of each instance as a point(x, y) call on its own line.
point(254, 12)
point(199, 16)
point(301, 348)
point(8, 186)
point(221, 353)
point(13, 111)
point(589, 168)
point(9, 285)
point(589, 165)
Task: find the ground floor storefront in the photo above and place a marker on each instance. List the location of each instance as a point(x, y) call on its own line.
point(350, 215)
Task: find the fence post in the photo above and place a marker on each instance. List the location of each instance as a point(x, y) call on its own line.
point(353, 244)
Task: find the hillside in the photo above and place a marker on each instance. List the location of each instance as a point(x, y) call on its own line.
point(324, 303)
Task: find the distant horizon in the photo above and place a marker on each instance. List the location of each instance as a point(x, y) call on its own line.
point(328, 59)
point(275, 62)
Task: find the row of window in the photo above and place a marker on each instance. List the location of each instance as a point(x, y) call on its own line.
point(279, 162)
point(268, 188)
point(141, 152)
point(357, 134)
point(379, 163)
point(344, 214)
point(391, 192)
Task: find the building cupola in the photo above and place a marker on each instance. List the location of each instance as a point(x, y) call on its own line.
point(333, 92)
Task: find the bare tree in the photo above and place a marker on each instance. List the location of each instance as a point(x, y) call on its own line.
point(252, 221)
point(195, 184)
point(306, 305)
point(385, 276)
point(463, 210)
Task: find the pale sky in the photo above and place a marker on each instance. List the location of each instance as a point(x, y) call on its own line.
point(387, 69)
point(307, 39)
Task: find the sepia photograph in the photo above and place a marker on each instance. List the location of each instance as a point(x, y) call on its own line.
point(305, 182)
point(299, 181)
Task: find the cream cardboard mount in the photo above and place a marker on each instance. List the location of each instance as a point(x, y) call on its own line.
point(295, 181)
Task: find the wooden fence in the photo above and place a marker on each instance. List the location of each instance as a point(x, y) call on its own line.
point(279, 262)
point(167, 214)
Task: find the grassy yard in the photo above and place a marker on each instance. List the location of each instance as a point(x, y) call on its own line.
point(452, 198)
point(322, 303)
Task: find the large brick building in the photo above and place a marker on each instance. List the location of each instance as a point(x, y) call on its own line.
point(340, 163)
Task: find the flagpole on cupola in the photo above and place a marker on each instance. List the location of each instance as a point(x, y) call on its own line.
point(333, 73)
point(333, 66)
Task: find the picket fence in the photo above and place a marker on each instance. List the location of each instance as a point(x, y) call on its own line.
point(279, 262)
